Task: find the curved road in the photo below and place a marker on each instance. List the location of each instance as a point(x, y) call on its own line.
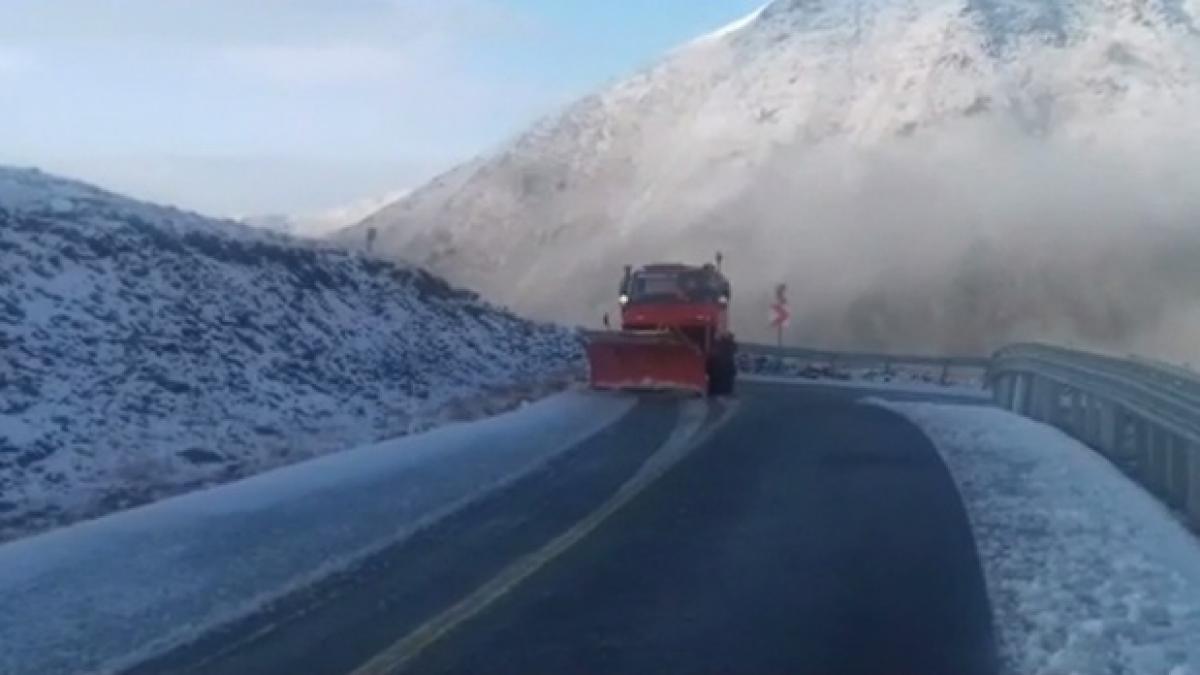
point(805, 534)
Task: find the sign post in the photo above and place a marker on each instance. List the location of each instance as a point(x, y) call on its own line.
point(780, 315)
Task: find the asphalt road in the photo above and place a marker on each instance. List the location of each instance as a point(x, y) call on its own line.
point(806, 534)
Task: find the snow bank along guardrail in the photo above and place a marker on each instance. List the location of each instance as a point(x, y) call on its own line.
point(944, 369)
point(1143, 416)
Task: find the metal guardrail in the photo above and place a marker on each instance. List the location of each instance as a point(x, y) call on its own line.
point(1142, 415)
point(870, 358)
point(946, 367)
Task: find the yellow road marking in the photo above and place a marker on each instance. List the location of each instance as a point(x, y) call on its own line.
point(682, 441)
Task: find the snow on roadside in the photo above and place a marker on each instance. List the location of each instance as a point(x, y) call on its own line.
point(898, 386)
point(901, 373)
point(101, 595)
point(1087, 572)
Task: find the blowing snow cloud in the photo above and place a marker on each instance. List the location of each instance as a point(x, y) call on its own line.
point(934, 175)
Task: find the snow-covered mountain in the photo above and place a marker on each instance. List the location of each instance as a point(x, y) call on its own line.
point(888, 158)
point(145, 351)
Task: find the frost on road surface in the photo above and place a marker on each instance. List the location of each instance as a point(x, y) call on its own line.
point(100, 595)
point(1088, 573)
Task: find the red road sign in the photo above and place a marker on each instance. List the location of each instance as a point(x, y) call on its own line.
point(780, 315)
point(779, 311)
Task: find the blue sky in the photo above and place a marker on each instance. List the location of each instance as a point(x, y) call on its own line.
point(255, 106)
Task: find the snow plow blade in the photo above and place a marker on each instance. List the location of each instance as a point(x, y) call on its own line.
point(646, 361)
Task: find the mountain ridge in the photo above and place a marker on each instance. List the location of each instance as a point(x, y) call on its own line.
point(673, 161)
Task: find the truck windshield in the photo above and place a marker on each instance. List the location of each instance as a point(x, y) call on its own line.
point(653, 286)
point(683, 286)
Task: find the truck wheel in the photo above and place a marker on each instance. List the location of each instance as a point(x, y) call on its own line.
point(729, 368)
point(714, 379)
point(721, 376)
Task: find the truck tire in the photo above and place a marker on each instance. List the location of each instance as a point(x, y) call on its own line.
point(730, 368)
point(722, 374)
point(714, 379)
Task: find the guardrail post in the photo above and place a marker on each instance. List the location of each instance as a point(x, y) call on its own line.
point(1146, 458)
point(1108, 429)
point(1177, 473)
point(1156, 473)
point(1193, 497)
point(1047, 401)
point(1002, 391)
point(1040, 399)
point(1166, 468)
point(1051, 401)
point(1083, 417)
point(1020, 396)
point(1033, 401)
point(1093, 420)
point(1105, 425)
point(1135, 444)
point(1060, 401)
point(1066, 409)
point(1165, 447)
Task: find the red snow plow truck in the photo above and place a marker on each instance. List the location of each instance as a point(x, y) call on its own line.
point(674, 333)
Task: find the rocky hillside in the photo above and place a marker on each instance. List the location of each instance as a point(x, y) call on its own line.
point(891, 159)
point(145, 351)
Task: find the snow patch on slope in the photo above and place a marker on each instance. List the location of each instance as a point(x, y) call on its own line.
point(731, 28)
point(1088, 573)
point(145, 351)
